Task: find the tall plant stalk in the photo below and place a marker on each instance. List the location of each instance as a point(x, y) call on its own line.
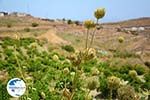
point(93, 34)
point(87, 37)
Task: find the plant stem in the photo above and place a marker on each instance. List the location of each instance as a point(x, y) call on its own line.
point(75, 80)
point(86, 98)
point(72, 96)
point(20, 69)
point(110, 98)
point(86, 42)
point(93, 34)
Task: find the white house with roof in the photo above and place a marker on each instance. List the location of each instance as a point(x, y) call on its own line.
point(18, 14)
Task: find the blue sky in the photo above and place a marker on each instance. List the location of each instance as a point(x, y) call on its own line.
point(116, 10)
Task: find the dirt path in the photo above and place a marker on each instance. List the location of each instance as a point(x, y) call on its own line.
point(52, 37)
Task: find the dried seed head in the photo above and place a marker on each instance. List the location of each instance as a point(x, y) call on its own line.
point(89, 24)
point(92, 83)
point(99, 13)
point(113, 82)
point(121, 39)
point(126, 93)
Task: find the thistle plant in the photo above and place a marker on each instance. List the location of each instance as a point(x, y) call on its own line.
point(126, 93)
point(82, 56)
point(17, 37)
point(92, 84)
point(89, 24)
point(21, 72)
point(99, 13)
point(113, 84)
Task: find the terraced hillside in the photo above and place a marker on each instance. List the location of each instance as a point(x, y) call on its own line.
point(51, 58)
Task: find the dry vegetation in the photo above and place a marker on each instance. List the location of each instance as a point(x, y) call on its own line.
point(50, 51)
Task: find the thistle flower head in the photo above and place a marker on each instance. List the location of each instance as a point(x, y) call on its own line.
point(89, 24)
point(66, 71)
point(113, 82)
point(92, 83)
point(91, 53)
point(121, 39)
point(73, 57)
point(55, 58)
point(99, 13)
point(126, 93)
point(92, 50)
point(94, 71)
point(133, 74)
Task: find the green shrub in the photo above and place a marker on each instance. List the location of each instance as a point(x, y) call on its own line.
point(104, 86)
point(146, 85)
point(27, 29)
point(9, 25)
point(68, 48)
point(140, 69)
point(126, 93)
point(77, 22)
point(3, 92)
point(69, 21)
point(35, 24)
point(125, 54)
point(147, 63)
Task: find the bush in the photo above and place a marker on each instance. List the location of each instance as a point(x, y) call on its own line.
point(35, 24)
point(77, 23)
point(27, 29)
point(3, 92)
point(147, 63)
point(68, 48)
point(104, 87)
point(126, 93)
point(125, 54)
point(69, 21)
point(9, 25)
point(140, 69)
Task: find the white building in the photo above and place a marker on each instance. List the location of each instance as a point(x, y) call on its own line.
point(18, 14)
point(2, 14)
point(141, 29)
point(21, 14)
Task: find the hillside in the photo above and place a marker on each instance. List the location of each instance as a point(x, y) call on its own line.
point(75, 34)
point(145, 21)
point(50, 56)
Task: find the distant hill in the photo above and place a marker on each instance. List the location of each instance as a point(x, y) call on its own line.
point(144, 21)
